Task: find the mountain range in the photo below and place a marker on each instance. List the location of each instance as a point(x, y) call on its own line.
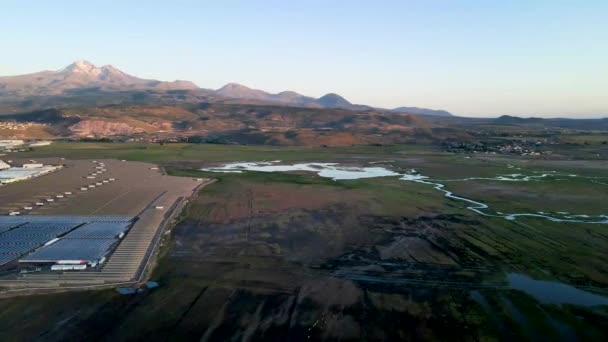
point(79, 75)
point(83, 77)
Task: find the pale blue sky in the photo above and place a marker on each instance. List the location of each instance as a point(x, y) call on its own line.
point(474, 58)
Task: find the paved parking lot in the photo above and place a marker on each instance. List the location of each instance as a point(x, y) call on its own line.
point(118, 188)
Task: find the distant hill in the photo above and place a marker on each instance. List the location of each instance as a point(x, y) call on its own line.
point(515, 120)
point(84, 83)
point(600, 124)
point(290, 98)
point(220, 123)
point(422, 111)
point(237, 91)
point(583, 124)
point(332, 100)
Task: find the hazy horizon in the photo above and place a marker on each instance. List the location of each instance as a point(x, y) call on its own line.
point(472, 58)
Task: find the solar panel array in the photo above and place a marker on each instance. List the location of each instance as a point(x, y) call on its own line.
point(20, 235)
point(39, 229)
point(27, 236)
point(6, 243)
point(72, 249)
point(70, 218)
point(98, 230)
point(12, 251)
point(7, 226)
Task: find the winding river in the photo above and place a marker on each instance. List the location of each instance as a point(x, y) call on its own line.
point(338, 172)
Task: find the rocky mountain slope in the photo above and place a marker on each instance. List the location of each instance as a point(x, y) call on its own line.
point(80, 75)
point(422, 111)
point(84, 83)
point(225, 123)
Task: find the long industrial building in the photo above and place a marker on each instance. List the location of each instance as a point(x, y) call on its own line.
point(83, 240)
point(13, 174)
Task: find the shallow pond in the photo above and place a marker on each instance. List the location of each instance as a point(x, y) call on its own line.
point(326, 170)
point(551, 292)
point(339, 172)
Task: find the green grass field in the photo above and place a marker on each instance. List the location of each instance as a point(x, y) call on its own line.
point(585, 138)
point(213, 153)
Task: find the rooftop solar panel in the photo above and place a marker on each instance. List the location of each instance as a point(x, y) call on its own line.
point(21, 232)
point(67, 218)
point(98, 230)
point(4, 228)
point(90, 238)
point(23, 240)
point(17, 249)
point(8, 224)
point(72, 249)
point(6, 258)
point(51, 224)
point(14, 251)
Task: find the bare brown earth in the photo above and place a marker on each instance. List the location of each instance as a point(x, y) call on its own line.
point(271, 199)
point(272, 256)
point(270, 262)
point(226, 123)
point(276, 261)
